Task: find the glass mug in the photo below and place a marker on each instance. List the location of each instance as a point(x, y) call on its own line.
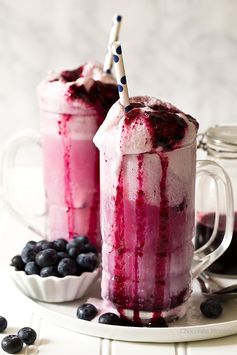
point(71, 175)
point(220, 145)
point(148, 255)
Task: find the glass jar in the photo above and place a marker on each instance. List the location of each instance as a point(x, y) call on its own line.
point(220, 144)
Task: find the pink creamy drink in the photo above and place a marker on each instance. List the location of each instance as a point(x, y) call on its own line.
point(73, 106)
point(148, 163)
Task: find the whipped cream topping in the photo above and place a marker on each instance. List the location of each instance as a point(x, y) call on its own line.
point(152, 125)
point(55, 94)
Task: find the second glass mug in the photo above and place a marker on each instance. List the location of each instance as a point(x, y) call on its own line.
point(148, 255)
point(71, 175)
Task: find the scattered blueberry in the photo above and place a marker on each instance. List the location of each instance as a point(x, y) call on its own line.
point(49, 271)
point(18, 263)
point(159, 322)
point(211, 308)
point(60, 244)
point(109, 318)
point(27, 335)
point(67, 267)
point(87, 262)
point(3, 324)
point(12, 344)
point(46, 257)
point(31, 268)
point(86, 311)
point(28, 254)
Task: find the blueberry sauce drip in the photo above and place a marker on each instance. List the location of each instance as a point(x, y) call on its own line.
point(163, 233)
point(140, 232)
point(119, 268)
point(63, 131)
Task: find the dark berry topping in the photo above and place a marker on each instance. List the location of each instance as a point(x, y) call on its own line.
point(49, 271)
point(71, 75)
point(31, 268)
point(166, 128)
point(12, 344)
point(109, 318)
point(46, 244)
point(46, 257)
point(211, 308)
point(3, 324)
point(18, 263)
point(67, 267)
point(102, 96)
point(87, 262)
point(86, 311)
point(27, 335)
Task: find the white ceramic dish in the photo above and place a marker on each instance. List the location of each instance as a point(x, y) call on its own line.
point(54, 289)
point(194, 326)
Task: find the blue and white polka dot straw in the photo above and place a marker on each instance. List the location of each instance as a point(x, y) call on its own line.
point(113, 36)
point(120, 76)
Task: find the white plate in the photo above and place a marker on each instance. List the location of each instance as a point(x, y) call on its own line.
point(194, 326)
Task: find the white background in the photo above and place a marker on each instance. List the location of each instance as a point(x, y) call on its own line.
point(181, 51)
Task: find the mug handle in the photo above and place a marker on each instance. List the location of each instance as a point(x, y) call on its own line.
point(202, 258)
point(9, 154)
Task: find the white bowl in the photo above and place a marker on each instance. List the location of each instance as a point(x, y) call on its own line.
point(52, 288)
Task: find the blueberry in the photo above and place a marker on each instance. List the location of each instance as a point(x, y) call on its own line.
point(73, 252)
point(81, 239)
point(49, 271)
point(158, 322)
point(18, 262)
point(89, 248)
point(75, 244)
point(46, 244)
point(3, 324)
point(211, 308)
point(67, 267)
point(27, 335)
point(31, 268)
point(46, 257)
point(12, 344)
point(109, 318)
point(28, 254)
point(87, 262)
point(86, 311)
point(31, 243)
point(63, 255)
point(60, 244)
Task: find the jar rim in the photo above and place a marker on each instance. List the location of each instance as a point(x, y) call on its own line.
point(221, 140)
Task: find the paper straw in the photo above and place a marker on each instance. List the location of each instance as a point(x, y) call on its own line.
point(120, 76)
point(113, 36)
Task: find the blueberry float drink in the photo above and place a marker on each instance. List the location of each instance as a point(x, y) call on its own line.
point(148, 159)
point(73, 105)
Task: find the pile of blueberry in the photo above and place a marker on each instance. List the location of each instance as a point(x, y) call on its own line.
point(88, 311)
point(13, 344)
point(57, 258)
